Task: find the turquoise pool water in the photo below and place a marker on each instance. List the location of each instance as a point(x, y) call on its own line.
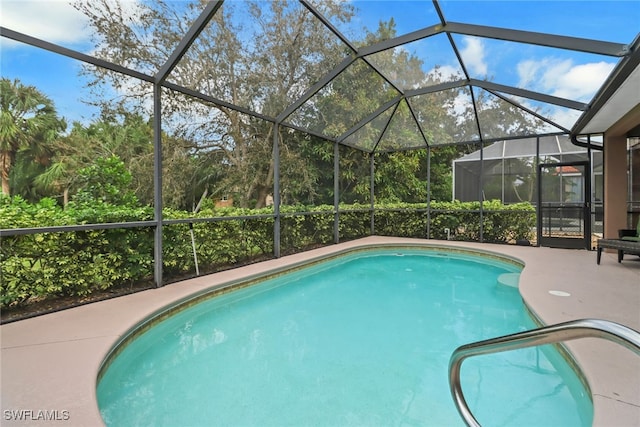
point(361, 340)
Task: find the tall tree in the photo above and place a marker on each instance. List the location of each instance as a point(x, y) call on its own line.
point(357, 93)
point(129, 137)
point(29, 124)
point(105, 181)
point(261, 58)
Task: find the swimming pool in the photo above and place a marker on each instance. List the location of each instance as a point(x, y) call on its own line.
point(363, 339)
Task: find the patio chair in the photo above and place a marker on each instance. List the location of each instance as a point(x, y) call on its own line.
point(630, 235)
point(628, 241)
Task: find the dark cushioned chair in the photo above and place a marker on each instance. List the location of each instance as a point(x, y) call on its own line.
point(628, 242)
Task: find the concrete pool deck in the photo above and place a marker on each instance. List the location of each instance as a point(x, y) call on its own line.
point(49, 364)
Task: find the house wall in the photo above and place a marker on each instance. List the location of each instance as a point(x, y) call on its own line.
point(615, 173)
point(225, 202)
point(615, 185)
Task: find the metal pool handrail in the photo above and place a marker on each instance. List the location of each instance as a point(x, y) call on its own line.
point(584, 328)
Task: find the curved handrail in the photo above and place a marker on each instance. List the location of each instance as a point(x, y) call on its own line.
point(584, 328)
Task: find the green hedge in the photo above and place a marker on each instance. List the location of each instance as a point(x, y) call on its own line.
point(70, 263)
point(219, 244)
point(42, 265)
point(500, 223)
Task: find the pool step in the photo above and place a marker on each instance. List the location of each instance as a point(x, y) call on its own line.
point(509, 279)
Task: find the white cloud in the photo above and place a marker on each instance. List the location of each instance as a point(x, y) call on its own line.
point(565, 117)
point(473, 55)
point(445, 73)
point(55, 21)
point(461, 103)
point(581, 82)
point(563, 78)
point(528, 71)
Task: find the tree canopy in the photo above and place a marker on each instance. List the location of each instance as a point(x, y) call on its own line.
point(29, 124)
point(214, 149)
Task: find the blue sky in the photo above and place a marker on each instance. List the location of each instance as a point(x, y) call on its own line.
point(551, 71)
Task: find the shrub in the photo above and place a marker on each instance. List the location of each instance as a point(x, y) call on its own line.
point(37, 266)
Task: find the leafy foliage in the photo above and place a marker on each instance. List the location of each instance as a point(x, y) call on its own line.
point(70, 263)
point(263, 62)
point(43, 265)
point(28, 125)
point(105, 181)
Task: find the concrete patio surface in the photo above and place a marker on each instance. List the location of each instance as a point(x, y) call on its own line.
point(49, 364)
